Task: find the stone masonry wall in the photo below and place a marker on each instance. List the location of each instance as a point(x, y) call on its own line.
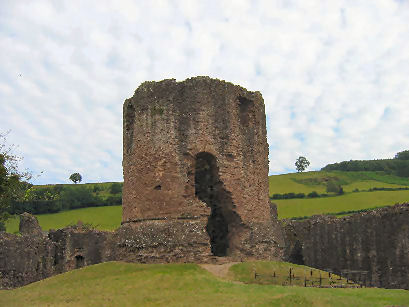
point(196, 151)
point(36, 255)
point(376, 241)
point(167, 123)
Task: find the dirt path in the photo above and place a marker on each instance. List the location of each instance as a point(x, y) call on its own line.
point(219, 270)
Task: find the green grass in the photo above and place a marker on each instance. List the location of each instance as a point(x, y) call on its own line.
point(277, 273)
point(315, 181)
point(347, 202)
point(104, 218)
point(125, 284)
point(350, 181)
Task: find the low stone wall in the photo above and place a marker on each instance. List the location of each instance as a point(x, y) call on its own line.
point(376, 242)
point(36, 255)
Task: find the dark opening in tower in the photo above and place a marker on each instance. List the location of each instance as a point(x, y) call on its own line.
point(223, 221)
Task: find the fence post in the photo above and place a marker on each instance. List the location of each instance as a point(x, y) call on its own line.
point(320, 279)
point(290, 276)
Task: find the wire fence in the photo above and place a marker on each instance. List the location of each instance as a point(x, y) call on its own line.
point(314, 278)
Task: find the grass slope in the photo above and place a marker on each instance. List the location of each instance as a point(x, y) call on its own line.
point(277, 273)
point(315, 181)
point(125, 284)
point(104, 218)
point(350, 181)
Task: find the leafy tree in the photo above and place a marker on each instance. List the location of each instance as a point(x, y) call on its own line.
point(313, 194)
point(116, 188)
point(403, 155)
point(78, 197)
point(76, 177)
point(12, 181)
point(301, 164)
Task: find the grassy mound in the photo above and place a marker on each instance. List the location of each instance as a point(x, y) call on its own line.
point(124, 284)
point(278, 273)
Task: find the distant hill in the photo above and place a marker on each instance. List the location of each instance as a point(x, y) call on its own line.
point(305, 194)
point(398, 166)
point(361, 191)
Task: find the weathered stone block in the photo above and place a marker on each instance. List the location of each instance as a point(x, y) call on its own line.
point(29, 225)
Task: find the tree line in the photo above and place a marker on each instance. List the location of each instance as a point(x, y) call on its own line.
point(55, 198)
point(398, 166)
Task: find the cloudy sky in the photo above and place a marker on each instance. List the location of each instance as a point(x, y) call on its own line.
point(334, 74)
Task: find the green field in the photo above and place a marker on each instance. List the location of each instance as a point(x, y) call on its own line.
point(316, 181)
point(348, 202)
point(125, 284)
point(109, 218)
point(104, 218)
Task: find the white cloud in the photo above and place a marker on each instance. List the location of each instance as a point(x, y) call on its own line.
point(333, 74)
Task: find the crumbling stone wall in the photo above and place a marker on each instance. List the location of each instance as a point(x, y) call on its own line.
point(35, 255)
point(24, 259)
point(376, 242)
point(196, 152)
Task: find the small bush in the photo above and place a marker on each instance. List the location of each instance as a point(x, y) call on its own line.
point(114, 200)
point(288, 195)
point(313, 194)
point(333, 187)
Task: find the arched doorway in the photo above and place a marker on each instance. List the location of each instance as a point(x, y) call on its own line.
point(79, 261)
point(223, 221)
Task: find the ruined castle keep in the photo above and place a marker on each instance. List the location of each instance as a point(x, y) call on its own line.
point(196, 154)
point(196, 186)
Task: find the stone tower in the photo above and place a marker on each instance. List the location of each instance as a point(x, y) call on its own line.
point(196, 160)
